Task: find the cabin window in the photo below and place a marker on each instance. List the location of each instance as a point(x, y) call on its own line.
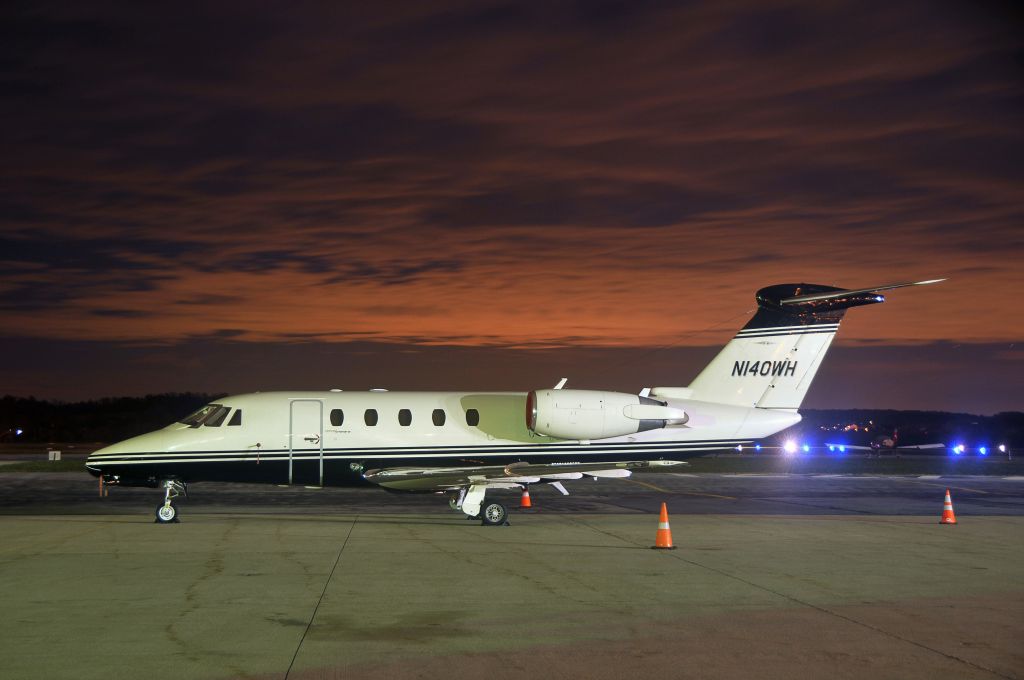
point(217, 417)
point(472, 417)
point(370, 417)
point(438, 416)
point(405, 417)
point(337, 417)
point(236, 418)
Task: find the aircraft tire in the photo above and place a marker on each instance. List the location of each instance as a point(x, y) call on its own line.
point(493, 514)
point(166, 513)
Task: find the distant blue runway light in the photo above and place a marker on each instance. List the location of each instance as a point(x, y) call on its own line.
point(842, 449)
point(982, 450)
point(806, 448)
point(831, 447)
point(757, 447)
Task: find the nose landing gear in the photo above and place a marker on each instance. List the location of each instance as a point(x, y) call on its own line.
point(167, 512)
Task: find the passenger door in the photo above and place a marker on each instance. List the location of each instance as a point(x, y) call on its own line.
point(306, 442)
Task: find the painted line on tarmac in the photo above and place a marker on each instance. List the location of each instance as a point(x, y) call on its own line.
point(845, 617)
point(807, 603)
point(679, 493)
point(649, 486)
point(947, 486)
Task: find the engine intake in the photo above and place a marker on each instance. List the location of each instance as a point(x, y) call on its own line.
point(592, 414)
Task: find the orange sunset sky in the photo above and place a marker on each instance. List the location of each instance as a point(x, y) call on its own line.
point(487, 195)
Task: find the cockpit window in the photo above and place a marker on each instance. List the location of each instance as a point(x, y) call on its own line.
point(211, 414)
point(217, 417)
point(236, 417)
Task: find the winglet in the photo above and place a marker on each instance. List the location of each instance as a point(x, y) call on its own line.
point(561, 383)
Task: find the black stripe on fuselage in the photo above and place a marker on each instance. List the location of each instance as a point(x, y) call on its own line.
point(343, 467)
point(441, 452)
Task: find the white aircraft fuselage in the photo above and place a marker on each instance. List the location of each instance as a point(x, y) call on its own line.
point(325, 439)
point(466, 443)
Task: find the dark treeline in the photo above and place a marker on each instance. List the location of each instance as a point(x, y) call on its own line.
point(113, 419)
point(102, 420)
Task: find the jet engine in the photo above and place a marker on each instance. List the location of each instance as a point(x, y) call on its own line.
point(591, 414)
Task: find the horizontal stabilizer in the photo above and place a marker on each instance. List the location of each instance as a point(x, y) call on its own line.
point(852, 293)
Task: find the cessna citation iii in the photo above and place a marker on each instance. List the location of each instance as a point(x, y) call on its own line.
point(466, 444)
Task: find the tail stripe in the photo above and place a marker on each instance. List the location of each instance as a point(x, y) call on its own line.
point(767, 334)
point(800, 327)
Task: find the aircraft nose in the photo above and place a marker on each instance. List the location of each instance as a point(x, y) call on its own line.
point(92, 460)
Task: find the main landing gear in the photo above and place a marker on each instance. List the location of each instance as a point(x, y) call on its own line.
point(167, 512)
point(493, 514)
point(471, 502)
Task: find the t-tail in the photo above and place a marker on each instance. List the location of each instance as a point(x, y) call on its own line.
point(773, 359)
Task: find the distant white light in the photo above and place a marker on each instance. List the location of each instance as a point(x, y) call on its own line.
point(879, 298)
point(1002, 448)
point(789, 447)
point(739, 447)
point(18, 432)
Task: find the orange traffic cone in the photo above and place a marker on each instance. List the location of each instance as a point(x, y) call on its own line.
point(524, 502)
point(664, 537)
point(947, 511)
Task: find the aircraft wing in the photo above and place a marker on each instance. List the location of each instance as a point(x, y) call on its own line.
point(507, 476)
point(921, 446)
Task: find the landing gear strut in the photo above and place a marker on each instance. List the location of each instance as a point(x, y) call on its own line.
point(167, 512)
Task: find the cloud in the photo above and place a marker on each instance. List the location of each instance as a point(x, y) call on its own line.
point(973, 376)
point(604, 174)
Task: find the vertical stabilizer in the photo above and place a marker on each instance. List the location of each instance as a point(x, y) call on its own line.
point(773, 359)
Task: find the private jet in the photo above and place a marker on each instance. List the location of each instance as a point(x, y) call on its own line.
point(465, 444)
point(886, 445)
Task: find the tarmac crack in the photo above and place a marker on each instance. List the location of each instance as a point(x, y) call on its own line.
point(320, 600)
point(811, 605)
point(214, 568)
